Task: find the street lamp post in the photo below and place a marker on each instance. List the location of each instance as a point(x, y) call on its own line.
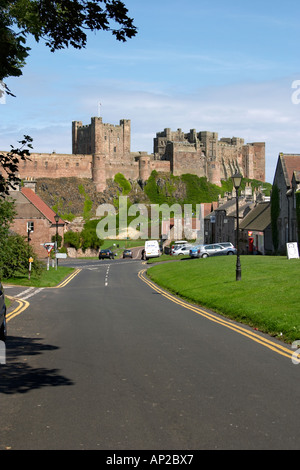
point(237, 178)
point(56, 218)
point(28, 249)
point(289, 194)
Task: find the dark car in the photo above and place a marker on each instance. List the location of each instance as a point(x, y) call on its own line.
point(106, 254)
point(127, 254)
point(2, 315)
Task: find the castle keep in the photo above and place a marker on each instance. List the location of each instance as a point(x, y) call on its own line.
point(101, 150)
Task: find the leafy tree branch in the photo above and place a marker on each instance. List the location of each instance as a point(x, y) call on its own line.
point(9, 162)
point(60, 24)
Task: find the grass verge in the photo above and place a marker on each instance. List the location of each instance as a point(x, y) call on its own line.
point(47, 279)
point(266, 298)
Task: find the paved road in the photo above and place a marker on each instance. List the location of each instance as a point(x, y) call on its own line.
point(108, 362)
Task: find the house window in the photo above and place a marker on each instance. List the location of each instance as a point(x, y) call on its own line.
point(30, 226)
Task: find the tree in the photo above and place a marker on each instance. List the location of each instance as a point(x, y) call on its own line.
point(275, 211)
point(60, 24)
point(14, 250)
point(15, 258)
point(10, 161)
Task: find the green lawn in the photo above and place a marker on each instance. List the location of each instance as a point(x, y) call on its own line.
point(47, 279)
point(267, 297)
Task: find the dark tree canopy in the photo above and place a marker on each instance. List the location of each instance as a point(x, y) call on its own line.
point(10, 163)
point(60, 24)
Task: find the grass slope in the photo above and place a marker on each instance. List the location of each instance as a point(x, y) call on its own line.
point(266, 297)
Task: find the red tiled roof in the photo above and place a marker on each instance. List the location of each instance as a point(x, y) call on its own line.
point(290, 163)
point(41, 205)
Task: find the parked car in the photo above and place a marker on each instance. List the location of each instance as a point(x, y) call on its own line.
point(183, 250)
point(3, 330)
point(107, 253)
point(127, 254)
point(178, 244)
point(226, 244)
point(215, 249)
point(195, 251)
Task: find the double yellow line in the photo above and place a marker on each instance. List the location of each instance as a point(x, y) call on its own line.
point(67, 280)
point(23, 304)
point(278, 348)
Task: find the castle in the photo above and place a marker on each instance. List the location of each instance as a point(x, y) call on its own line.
point(100, 151)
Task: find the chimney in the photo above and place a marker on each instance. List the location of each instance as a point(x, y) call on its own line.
point(29, 183)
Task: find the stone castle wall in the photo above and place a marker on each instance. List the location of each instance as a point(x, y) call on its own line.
point(101, 150)
point(54, 165)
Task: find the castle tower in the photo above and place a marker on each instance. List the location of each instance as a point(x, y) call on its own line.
point(144, 167)
point(108, 144)
point(210, 142)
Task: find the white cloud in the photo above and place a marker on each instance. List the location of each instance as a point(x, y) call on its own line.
point(253, 111)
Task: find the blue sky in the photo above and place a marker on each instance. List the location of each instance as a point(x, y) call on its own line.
point(226, 67)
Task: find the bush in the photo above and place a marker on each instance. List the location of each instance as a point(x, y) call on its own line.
point(15, 257)
point(85, 239)
point(72, 239)
point(123, 182)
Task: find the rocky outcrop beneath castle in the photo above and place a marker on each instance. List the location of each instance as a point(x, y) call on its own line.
point(71, 196)
point(68, 195)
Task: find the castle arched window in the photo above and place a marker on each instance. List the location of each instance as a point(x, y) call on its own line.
point(115, 149)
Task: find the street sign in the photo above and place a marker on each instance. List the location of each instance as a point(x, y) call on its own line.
point(292, 250)
point(49, 246)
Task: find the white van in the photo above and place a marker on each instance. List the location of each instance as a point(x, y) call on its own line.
point(151, 249)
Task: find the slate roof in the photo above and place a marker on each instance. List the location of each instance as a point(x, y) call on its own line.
point(258, 218)
point(230, 207)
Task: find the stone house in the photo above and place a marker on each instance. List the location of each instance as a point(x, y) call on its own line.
point(186, 228)
point(287, 180)
point(35, 215)
point(220, 224)
point(256, 229)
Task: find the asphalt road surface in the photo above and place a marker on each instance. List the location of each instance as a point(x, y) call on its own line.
point(109, 362)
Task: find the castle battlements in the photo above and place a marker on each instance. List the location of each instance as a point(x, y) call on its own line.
point(101, 150)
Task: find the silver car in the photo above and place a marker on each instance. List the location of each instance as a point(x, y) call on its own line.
point(183, 250)
point(3, 330)
point(226, 244)
point(215, 249)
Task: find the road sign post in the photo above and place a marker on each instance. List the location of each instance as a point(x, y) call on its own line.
point(49, 247)
point(29, 269)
